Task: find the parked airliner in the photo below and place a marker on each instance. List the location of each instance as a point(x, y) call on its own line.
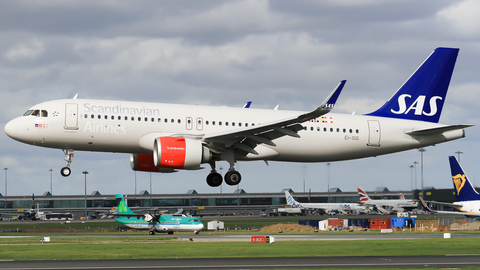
point(156, 222)
point(329, 208)
point(467, 198)
point(171, 137)
point(398, 205)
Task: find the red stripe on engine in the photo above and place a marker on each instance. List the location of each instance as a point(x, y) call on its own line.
point(173, 152)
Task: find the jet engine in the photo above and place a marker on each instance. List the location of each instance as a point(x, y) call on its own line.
point(179, 153)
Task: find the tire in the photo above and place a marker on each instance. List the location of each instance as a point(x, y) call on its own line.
point(233, 178)
point(214, 179)
point(65, 171)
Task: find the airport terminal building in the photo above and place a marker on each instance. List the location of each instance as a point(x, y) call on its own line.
point(239, 202)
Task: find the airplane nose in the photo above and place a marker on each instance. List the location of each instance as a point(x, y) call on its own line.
point(11, 129)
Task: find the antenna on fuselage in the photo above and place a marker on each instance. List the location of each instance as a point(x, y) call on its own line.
point(76, 95)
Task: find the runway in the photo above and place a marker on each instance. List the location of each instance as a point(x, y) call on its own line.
point(255, 263)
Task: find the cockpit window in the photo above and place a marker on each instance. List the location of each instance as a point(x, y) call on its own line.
point(27, 113)
point(37, 113)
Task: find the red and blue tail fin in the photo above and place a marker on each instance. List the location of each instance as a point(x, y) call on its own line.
point(464, 191)
point(422, 96)
point(363, 195)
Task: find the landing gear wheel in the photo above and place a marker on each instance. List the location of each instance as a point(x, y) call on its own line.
point(233, 178)
point(214, 179)
point(151, 232)
point(65, 171)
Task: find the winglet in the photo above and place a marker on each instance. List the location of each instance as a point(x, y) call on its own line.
point(424, 205)
point(247, 105)
point(327, 104)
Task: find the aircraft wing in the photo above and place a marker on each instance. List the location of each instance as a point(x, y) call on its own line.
point(246, 139)
point(459, 212)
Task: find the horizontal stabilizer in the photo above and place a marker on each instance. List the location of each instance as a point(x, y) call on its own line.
point(436, 130)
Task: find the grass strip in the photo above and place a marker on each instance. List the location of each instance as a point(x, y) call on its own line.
point(136, 248)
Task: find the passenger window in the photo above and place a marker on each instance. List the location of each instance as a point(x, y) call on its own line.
point(213, 123)
point(239, 124)
point(133, 118)
point(233, 124)
point(119, 117)
point(246, 124)
point(126, 118)
point(226, 123)
point(113, 117)
point(99, 116)
point(206, 122)
point(139, 119)
point(219, 123)
point(85, 116)
point(106, 117)
point(153, 119)
point(179, 121)
point(166, 120)
point(44, 113)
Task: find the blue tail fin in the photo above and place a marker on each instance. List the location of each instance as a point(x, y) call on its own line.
point(122, 206)
point(422, 96)
point(464, 191)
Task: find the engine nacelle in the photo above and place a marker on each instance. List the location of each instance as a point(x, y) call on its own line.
point(144, 163)
point(179, 153)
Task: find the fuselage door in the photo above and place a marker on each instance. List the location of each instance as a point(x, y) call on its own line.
point(189, 123)
point(374, 133)
point(199, 123)
point(71, 116)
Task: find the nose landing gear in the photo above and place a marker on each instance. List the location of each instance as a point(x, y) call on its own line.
point(66, 171)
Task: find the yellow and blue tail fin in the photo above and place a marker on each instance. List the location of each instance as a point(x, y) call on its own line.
point(464, 190)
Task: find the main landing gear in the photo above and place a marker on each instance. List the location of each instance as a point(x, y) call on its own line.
point(66, 171)
point(232, 177)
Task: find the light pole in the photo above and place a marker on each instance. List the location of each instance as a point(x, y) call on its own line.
point(135, 182)
point(458, 154)
point(51, 185)
point(415, 164)
point(421, 167)
point(85, 173)
point(411, 177)
point(6, 170)
point(328, 182)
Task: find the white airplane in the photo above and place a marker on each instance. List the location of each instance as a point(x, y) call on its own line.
point(399, 205)
point(326, 207)
point(170, 137)
point(467, 198)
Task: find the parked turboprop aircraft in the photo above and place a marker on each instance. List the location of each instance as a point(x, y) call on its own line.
point(399, 205)
point(326, 207)
point(468, 199)
point(156, 222)
point(171, 137)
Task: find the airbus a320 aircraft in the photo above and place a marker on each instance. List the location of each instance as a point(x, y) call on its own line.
point(398, 205)
point(171, 137)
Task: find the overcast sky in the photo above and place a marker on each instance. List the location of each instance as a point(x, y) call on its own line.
point(223, 53)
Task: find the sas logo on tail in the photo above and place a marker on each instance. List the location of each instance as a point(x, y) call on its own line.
point(417, 105)
point(459, 181)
